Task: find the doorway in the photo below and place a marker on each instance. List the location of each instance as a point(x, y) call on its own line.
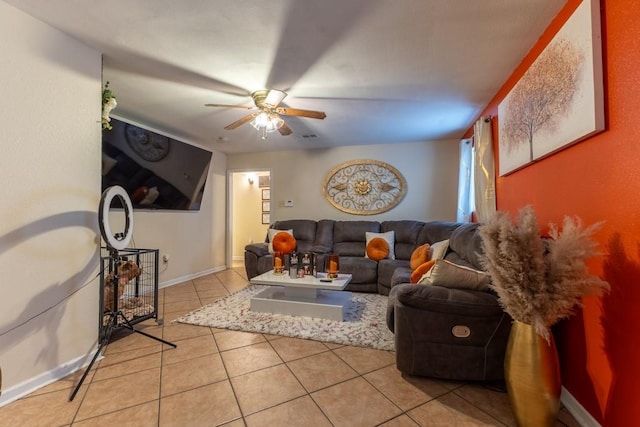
point(249, 210)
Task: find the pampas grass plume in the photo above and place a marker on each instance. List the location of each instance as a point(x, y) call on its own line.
point(539, 281)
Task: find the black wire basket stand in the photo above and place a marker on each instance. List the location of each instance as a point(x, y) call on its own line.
point(136, 297)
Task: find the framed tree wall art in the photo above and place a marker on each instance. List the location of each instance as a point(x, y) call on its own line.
point(559, 100)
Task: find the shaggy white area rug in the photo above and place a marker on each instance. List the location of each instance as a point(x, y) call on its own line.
point(364, 324)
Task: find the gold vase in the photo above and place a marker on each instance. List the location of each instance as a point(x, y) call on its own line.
point(532, 374)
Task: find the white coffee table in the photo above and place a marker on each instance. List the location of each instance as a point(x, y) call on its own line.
point(305, 296)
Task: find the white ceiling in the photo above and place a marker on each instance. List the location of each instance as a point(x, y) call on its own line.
point(383, 71)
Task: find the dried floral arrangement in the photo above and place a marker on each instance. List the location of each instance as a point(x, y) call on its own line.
point(539, 281)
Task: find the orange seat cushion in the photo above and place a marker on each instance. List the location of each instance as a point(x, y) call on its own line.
point(377, 249)
point(419, 256)
point(421, 270)
point(284, 243)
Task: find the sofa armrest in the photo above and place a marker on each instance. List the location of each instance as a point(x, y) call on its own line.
point(446, 300)
point(448, 333)
point(260, 249)
point(438, 299)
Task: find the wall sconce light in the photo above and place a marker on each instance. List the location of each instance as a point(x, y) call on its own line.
point(250, 180)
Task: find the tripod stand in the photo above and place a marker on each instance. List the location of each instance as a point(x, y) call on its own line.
point(112, 323)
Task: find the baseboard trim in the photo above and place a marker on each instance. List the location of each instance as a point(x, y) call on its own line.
point(191, 276)
point(577, 410)
point(32, 384)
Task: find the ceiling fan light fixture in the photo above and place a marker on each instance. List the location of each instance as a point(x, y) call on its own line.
point(275, 123)
point(260, 121)
point(267, 122)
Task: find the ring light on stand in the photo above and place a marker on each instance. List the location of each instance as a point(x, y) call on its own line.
point(118, 241)
point(115, 243)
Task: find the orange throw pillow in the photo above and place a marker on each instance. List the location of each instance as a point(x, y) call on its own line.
point(421, 270)
point(377, 249)
point(284, 243)
point(419, 256)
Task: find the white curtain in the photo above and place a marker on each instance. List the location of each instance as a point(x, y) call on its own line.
point(484, 170)
point(465, 181)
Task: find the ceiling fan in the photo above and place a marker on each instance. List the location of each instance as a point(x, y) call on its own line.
point(267, 117)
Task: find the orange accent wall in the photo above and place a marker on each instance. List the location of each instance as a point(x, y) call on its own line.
point(597, 180)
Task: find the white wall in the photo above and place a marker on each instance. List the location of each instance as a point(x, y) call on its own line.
point(194, 240)
point(246, 221)
point(49, 169)
point(430, 169)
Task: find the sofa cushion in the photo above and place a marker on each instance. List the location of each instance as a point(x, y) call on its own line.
point(363, 270)
point(304, 230)
point(323, 242)
point(449, 275)
point(387, 269)
point(435, 231)
point(406, 236)
point(465, 241)
point(349, 237)
point(400, 275)
point(419, 256)
point(388, 237)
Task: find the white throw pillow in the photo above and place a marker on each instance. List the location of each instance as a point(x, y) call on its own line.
point(389, 236)
point(439, 249)
point(272, 232)
point(450, 275)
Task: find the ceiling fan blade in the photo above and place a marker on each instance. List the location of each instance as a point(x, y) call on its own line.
point(286, 111)
point(285, 130)
point(240, 122)
point(230, 106)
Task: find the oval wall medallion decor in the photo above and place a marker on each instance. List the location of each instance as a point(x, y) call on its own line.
point(364, 187)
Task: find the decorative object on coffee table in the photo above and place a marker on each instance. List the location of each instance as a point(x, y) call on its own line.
point(278, 262)
point(364, 187)
point(538, 282)
point(332, 265)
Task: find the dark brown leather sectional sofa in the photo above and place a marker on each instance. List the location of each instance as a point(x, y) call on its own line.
point(439, 332)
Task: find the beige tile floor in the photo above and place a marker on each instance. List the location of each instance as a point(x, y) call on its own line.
point(219, 377)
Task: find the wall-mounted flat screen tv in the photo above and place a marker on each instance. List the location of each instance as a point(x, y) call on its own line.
point(158, 172)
